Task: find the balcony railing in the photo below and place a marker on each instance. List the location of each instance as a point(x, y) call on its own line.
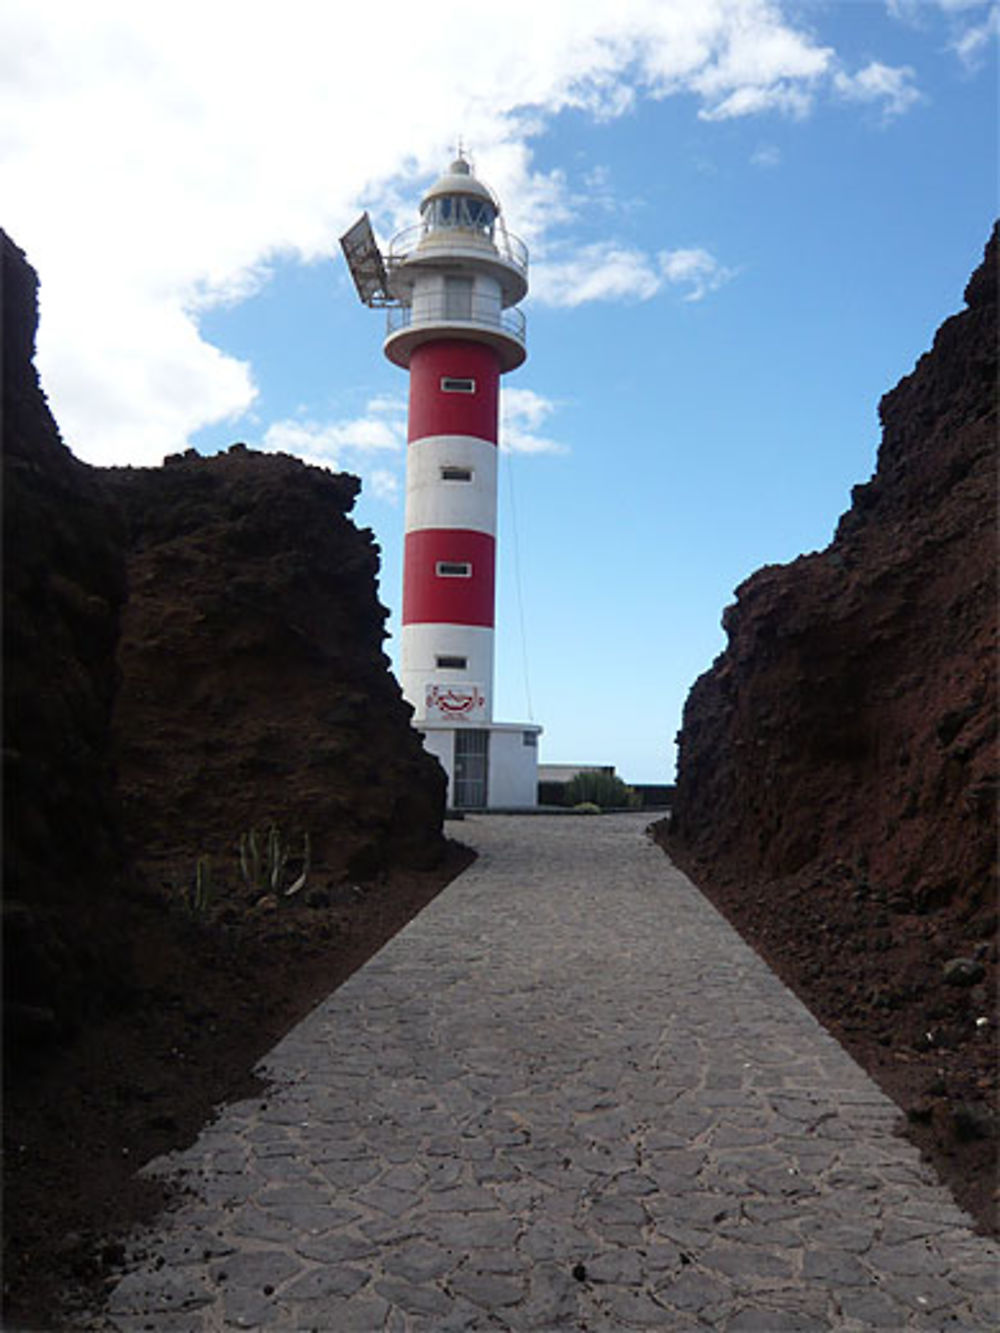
point(444, 310)
point(510, 248)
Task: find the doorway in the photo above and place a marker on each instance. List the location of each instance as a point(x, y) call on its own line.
point(472, 760)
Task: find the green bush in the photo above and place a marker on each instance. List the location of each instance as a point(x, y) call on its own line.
point(603, 789)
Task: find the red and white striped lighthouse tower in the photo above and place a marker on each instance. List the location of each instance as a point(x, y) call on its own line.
point(451, 285)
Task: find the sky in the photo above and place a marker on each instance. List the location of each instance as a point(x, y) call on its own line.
point(746, 220)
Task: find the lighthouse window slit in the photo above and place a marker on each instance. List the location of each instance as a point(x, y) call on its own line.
point(454, 569)
point(451, 384)
point(452, 663)
point(456, 474)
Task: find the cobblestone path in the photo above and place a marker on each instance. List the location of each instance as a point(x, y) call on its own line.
point(567, 1096)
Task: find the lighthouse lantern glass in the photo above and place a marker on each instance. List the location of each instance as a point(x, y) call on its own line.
point(458, 210)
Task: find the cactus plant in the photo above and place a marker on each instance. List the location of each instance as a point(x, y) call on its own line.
point(264, 860)
point(198, 897)
point(300, 883)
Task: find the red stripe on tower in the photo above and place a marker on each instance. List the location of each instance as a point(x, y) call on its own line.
point(454, 390)
point(448, 577)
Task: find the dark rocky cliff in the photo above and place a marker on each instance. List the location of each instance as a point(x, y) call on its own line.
point(64, 586)
point(254, 685)
point(189, 652)
point(837, 771)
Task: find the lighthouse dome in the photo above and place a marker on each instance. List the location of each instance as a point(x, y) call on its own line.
point(458, 199)
point(458, 272)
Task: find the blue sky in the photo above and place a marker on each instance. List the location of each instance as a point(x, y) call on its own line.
point(746, 221)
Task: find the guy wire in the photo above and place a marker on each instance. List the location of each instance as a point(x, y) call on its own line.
point(517, 582)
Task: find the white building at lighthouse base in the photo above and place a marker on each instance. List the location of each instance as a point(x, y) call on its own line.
point(490, 765)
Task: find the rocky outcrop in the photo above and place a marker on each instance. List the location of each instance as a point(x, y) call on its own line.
point(853, 713)
point(64, 586)
point(189, 652)
point(837, 770)
point(254, 686)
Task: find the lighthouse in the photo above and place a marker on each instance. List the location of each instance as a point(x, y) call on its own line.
point(451, 286)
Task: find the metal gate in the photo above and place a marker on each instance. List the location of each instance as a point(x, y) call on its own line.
point(472, 761)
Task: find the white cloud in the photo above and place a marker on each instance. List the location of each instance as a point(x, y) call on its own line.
point(387, 403)
point(695, 269)
point(752, 100)
point(970, 43)
point(347, 446)
point(156, 159)
point(522, 411)
point(605, 271)
point(133, 373)
point(363, 435)
point(972, 23)
point(738, 58)
point(384, 485)
point(766, 155)
point(891, 87)
point(602, 271)
point(762, 67)
point(911, 9)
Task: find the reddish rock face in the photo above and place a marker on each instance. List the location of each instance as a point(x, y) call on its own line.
point(254, 685)
point(189, 651)
point(837, 774)
point(852, 715)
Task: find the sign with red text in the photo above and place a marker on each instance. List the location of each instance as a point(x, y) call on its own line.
point(455, 703)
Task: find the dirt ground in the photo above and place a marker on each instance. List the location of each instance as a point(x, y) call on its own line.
point(216, 990)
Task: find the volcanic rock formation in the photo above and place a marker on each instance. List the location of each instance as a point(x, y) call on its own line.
point(64, 586)
point(254, 686)
point(190, 652)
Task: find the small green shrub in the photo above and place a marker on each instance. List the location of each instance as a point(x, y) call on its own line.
point(586, 808)
point(601, 789)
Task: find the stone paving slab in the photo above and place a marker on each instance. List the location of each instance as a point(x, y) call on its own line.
point(566, 1096)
